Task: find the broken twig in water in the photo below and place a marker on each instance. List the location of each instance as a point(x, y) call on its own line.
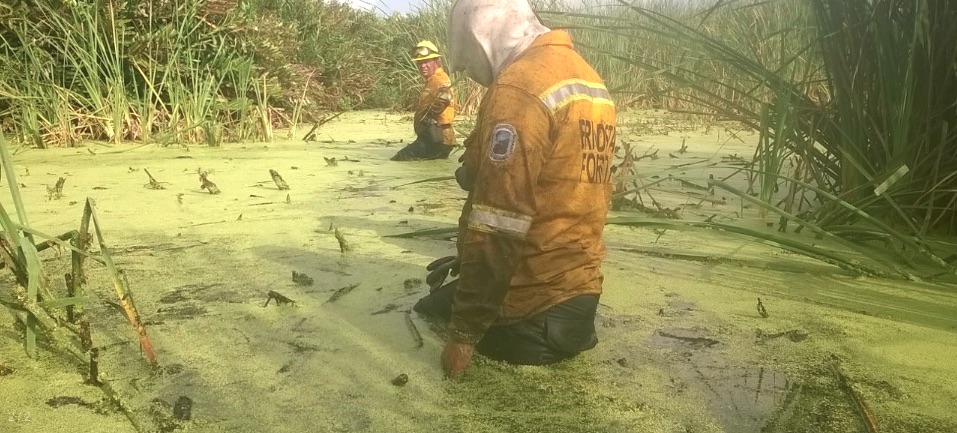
point(386, 309)
point(693, 340)
point(281, 184)
point(863, 410)
point(279, 298)
point(205, 183)
point(344, 246)
point(311, 135)
point(341, 292)
point(795, 335)
point(86, 341)
point(52, 243)
point(431, 179)
point(94, 378)
point(761, 311)
point(419, 343)
point(301, 279)
point(153, 183)
point(55, 192)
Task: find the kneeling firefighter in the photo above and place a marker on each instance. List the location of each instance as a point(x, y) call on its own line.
point(537, 171)
point(434, 111)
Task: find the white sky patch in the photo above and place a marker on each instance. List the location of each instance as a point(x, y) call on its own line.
point(387, 6)
point(404, 6)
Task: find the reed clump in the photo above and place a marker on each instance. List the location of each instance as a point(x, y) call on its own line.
point(853, 100)
point(48, 315)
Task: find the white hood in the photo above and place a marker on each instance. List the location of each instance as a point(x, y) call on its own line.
point(486, 35)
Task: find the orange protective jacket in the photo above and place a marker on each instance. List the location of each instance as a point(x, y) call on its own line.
point(538, 171)
point(436, 103)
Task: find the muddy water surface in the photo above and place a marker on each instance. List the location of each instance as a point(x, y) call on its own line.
point(683, 347)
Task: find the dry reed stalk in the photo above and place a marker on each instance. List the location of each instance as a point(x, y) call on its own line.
point(120, 286)
point(280, 183)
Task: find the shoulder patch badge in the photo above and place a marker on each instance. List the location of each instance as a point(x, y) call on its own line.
point(503, 142)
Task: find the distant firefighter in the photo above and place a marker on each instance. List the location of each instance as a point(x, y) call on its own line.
point(434, 136)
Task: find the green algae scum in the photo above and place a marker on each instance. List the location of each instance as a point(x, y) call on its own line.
point(177, 255)
point(682, 344)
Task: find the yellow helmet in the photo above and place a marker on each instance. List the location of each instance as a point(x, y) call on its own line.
point(425, 50)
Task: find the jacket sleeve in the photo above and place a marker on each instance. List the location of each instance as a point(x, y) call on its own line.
point(509, 153)
point(441, 99)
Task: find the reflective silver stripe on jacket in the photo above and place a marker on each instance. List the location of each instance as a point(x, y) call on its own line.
point(569, 91)
point(489, 219)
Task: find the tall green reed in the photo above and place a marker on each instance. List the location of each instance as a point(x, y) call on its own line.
point(136, 70)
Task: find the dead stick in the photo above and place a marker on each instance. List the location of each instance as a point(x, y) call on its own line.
point(206, 184)
point(49, 243)
point(344, 246)
point(281, 184)
point(647, 155)
point(94, 367)
point(70, 311)
point(863, 410)
point(419, 343)
point(122, 291)
point(279, 297)
point(11, 259)
point(341, 292)
point(311, 134)
point(86, 340)
point(153, 183)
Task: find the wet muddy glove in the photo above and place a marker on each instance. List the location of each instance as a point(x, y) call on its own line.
point(464, 176)
point(440, 269)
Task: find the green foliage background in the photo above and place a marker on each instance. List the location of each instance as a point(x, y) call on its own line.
point(197, 70)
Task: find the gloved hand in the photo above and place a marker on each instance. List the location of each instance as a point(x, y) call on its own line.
point(439, 270)
point(465, 178)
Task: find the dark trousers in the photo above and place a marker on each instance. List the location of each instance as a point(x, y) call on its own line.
point(427, 145)
point(559, 333)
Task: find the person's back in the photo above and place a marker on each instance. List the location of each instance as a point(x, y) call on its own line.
point(537, 168)
point(570, 111)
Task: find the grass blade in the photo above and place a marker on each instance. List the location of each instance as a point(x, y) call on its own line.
point(8, 168)
point(34, 276)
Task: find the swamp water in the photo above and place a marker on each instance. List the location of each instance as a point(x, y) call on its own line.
point(684, 347)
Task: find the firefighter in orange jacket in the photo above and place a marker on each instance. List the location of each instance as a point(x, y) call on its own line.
point(434, 113)
point(538, 171)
